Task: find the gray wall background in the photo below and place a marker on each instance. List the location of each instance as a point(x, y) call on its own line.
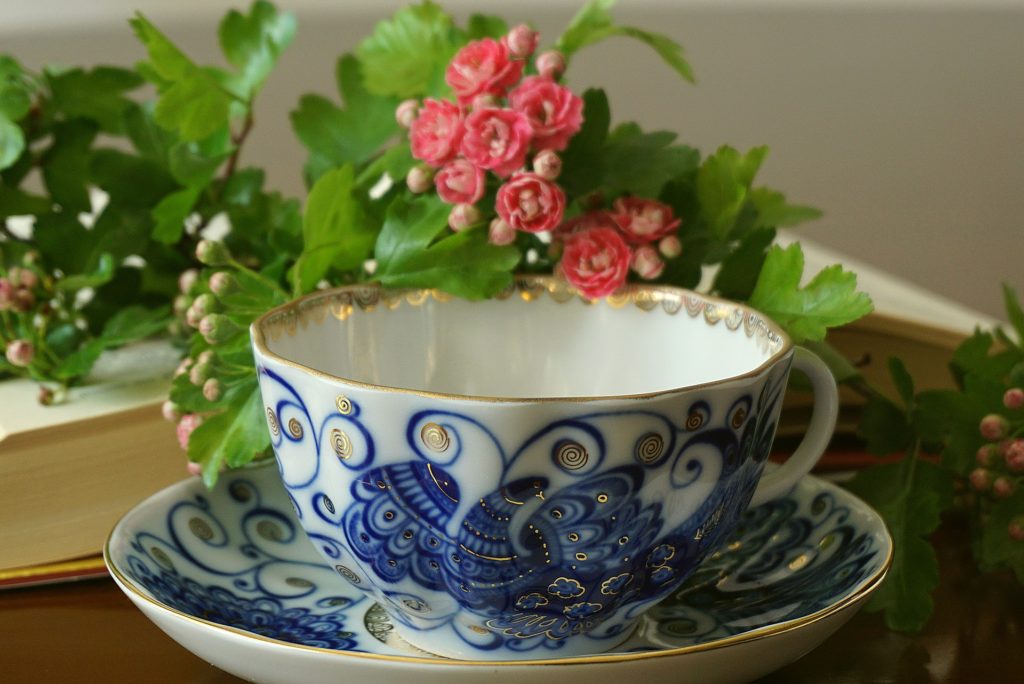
point(903, 120)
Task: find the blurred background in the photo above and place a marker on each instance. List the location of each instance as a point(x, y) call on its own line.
point(902, 119)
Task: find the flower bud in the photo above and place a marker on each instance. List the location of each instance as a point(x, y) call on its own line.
point(183, 367)
point(1014, 456)
point(212, 253)
point(986, 455)
point(1003, 487)
point(186, 426)
point(205, 356)
point(1016, 528)
point(420, 179)
point(192, 317)
point(1014, 398)
point(181, 304)
point(993, 427)
point(216, 328)
point(6, 294)
point(981, 479)
point(23, 277)
point(550, 64)
point(547, 165)
point(46, 396)
point(406, 113)
point(670, 247)
point(23, 300)
point(463, 216)
point(187, 279)
point(170, 411)
point(521, 41)
point(20, 353)
point(212, 389)
point(501, 233)
point(194, 468)
point(205, 303)
point(198, 374)
point(223, 283)
point(647, 263)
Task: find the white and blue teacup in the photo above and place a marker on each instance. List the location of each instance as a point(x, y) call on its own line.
point(523, 477)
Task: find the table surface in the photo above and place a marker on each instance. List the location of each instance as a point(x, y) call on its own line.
point(89, 631)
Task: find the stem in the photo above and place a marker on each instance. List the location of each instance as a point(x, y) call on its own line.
point(238, 140)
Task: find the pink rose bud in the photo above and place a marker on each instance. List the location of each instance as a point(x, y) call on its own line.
point(644, 220)
point(169, 410)
point(1014, 456)
point(223, 283)
point(407, 112)
point(463, 216)
point(198, 374)
point(521, 41)
point(1014, 398)
point(459, 182)
point(981, 479)
point(186, 426)
point(647, 263)
point(555, 113)
point(501, 233)
point(993, 427)
point(1016, 528)
point(483, 66)
point(212, 389)
point(194, 468)
point(497, 140)
point(670, 247)
point(1003, 487)
point(216, 328)
point(550, 64)
point(547, 165)
point(528, 202)
point(436, 133)
point(20, 353)
point(187, 279)
point(212, 253)
point(986, 455)
point(419, 179)
point(595, 261)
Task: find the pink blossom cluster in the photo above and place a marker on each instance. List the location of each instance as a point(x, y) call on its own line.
point(513, 127)
point(1000, 461)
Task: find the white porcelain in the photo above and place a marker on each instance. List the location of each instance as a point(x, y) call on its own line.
point(229, 575)
point(530, 473)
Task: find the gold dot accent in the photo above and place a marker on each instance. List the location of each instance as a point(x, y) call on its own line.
point(200, 528)
point(479, 630)
point(602, 498)
point(389, 515)
point(556, 513)
point(571, 455)
point(649, 448)
point(343, 404)
point(799, 562)
point(348, 574)
point(435, 437)
point(623, 540)
point(581, 556)
point(298, 582)
point(738, 416)
point(694, 420)
point(295, 428)
point(573, 537)
point(341, 443)
point(275, 429)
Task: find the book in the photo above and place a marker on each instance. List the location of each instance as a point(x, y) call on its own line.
point(68, 472)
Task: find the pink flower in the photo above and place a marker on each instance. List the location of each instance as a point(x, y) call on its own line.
point(670, 247)
point(554, 111)
point(981, 479)
point(1016, 528)
point(500, 233)
point(497, 139)
point(1014, 456)
point(419, 179)
point(460, 182)
point(1014, 398)
point(547, 165)
point(530, 203)
point(194, 468)
point(550, 64)
point(186, 426)
point(437, 131)
point(1003, 487)
point(20, 353)
point(985, 455)
point(463, 216)
point(644, 220)
point(647, 263)
point(993, 427)
point(596, 261)
point(406, 112)
point(592, 219)
point(521, 41)
point(483, 66)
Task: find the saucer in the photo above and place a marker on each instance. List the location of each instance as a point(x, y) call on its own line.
point(230, 575)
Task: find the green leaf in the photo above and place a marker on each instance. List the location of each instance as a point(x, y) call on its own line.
point(409, 253)
point(738, 273)
point(774, 211)
point(406, 56)
point(953, 417)
point(583, 160)
point(66, 164)
point(884, 427)
point(12, 142)
point(254, 42)
point(196, 163)
point(831, 298)
point(16, 202)
point(334, 231)
point(103, 273)
point(349, 135)
point(974, 355)
point(192, 102)
point(594, 23)
point(902, 381)
point(152, 141)
point(1014, 312)
point(170, 214)
point(642, 163)
point(997, 549)
point(484, 26)
point(910, 496)
point(233, 437)
point(130, 181)
point(723, 186)
point(97, 95)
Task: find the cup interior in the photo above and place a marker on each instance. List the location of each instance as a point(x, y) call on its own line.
point(539, 341)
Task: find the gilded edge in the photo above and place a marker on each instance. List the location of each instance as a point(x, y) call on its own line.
point(343, 301)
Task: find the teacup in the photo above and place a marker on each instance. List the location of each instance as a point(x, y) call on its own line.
point(523, 477)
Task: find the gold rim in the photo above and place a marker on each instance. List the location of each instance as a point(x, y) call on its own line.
point(866, 587)
point(641, 295)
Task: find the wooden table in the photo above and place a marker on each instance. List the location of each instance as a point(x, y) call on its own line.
point(89, 632)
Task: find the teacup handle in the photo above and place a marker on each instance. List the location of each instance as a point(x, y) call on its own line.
point(779, 481)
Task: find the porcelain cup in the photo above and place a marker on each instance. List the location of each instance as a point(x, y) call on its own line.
point(523, 477)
